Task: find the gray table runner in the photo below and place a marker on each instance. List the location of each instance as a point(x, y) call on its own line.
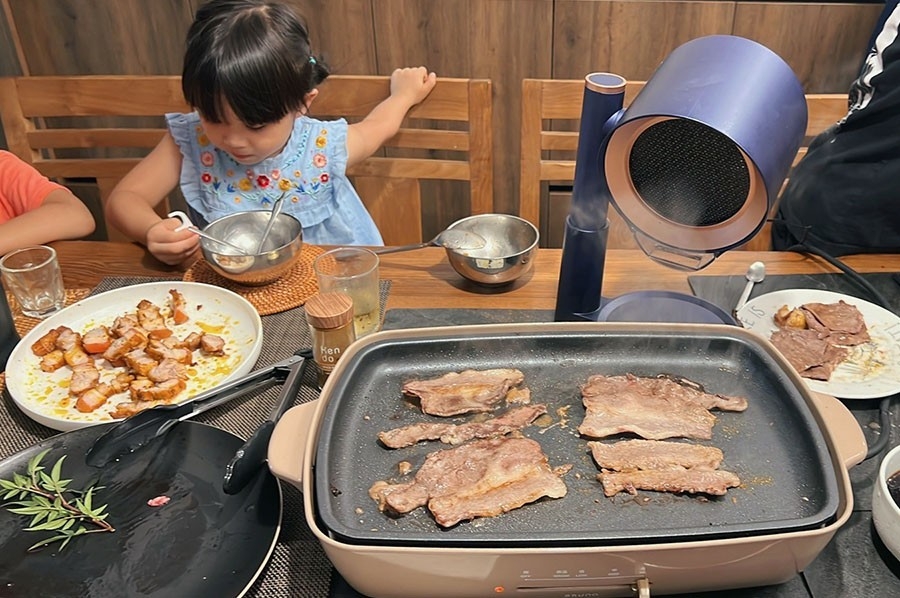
point(298, 567)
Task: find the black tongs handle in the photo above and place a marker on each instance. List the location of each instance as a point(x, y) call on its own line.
point(251, 456)
point(141, 428)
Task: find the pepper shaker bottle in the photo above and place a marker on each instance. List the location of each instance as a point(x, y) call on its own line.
point(330, 318)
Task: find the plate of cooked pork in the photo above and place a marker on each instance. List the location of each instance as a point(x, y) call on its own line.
point(840, 345)
point(112, 355)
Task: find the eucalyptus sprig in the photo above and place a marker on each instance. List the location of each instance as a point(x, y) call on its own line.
point(43, 496)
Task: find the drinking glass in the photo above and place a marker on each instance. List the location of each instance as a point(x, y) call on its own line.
point(353, 270)
point(32, 275)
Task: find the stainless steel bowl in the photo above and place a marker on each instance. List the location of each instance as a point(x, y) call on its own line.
point(244, 229)
point(510, 243)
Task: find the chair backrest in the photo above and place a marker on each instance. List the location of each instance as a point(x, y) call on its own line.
point(551, 111)
point(99, 127)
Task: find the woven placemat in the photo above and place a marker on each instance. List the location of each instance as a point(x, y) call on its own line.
point(290, 291)
point(24, 323)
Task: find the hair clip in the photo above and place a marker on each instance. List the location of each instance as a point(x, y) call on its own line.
point(312, 60)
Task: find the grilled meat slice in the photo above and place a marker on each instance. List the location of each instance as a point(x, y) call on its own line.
point(52, 361)
point(179, 307)
point(635, 455)
point(841, 322)
point(514, 419)
point(692, 481)
point(469, 391)
point(662, 386)
point(152, 320)
point(483, 478)
point(811, 355)
point(649, 407)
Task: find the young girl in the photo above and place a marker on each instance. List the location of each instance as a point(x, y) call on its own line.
point(250, 76)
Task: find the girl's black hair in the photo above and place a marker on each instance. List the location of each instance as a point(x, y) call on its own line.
point(251, 55)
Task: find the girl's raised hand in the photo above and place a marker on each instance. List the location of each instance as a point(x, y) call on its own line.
point(172, 246)
point(413, 84)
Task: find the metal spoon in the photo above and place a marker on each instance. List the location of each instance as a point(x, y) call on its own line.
point(187, 224)
point(755, 273)
point(461, 240)
point(276, 209)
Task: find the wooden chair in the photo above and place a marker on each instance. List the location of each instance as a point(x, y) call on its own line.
point(551, 110)
point(446, 137)
point(99, 127)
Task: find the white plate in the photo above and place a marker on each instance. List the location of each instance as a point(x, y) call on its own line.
point(872, 370)
point(45, 398)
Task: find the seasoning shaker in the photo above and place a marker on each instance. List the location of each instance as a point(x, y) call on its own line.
point(330, 318)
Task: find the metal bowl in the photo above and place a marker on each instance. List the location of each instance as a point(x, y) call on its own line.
point(885, 512)
point(244, 229)
point(508, 252)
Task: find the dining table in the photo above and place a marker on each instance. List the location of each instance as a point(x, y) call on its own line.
point(420, 288)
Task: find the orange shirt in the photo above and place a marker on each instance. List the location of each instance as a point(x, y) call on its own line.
point(22, 188)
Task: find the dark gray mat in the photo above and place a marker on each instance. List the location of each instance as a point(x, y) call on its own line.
point(724, 291)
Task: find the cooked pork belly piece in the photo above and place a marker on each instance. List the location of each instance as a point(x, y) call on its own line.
point(52, 361)
point(139, 362)
point(841, 322)
point(127, 409)
point(131, 339)
point(152, 320)
point(160, 351)
point(94, 398)
point(634, 455)
point(483, 478)
point(811, 355)
point(514, 419)
point(168, 369)
point(661, 386)
point(649, 407)
point(179, 306)
point(212, 344)
point(84, 377)
point(96, 340)
point(46, 343)
point(67, 338)
point(692, 481)
point(163, 391)
point(122, 323)
point(469, 391)
point(192, 341)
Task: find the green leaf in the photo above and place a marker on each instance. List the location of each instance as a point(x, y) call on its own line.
point(21, 481)
point(47, 525)
point(33, 464)
point(69, 523)
point(57, 469)
point(7, 485)
point(10, 494)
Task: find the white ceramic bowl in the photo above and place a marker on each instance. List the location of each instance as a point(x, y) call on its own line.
point(885, 511)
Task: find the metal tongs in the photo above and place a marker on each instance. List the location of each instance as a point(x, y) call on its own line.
point(145, 426)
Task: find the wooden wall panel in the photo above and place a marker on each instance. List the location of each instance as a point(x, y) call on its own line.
point(824, 43)
point(626, 37)
point(496, 39)
point(341, 31)
point(86, 37)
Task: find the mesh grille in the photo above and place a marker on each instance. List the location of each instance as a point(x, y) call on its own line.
point(689, 173)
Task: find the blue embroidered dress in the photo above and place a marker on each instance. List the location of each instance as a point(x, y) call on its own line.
point(311, 169)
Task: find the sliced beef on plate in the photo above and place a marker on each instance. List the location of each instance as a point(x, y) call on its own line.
point(634, 455)
point(483, 478)
point(808, 352)
point(841, 322)
point(649, 407)
point(514, 419)
point(693, 481)
point(469, 391)
point(661, 386)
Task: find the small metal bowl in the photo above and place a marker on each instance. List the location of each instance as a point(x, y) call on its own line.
point(244, 229)
point(508, 252)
